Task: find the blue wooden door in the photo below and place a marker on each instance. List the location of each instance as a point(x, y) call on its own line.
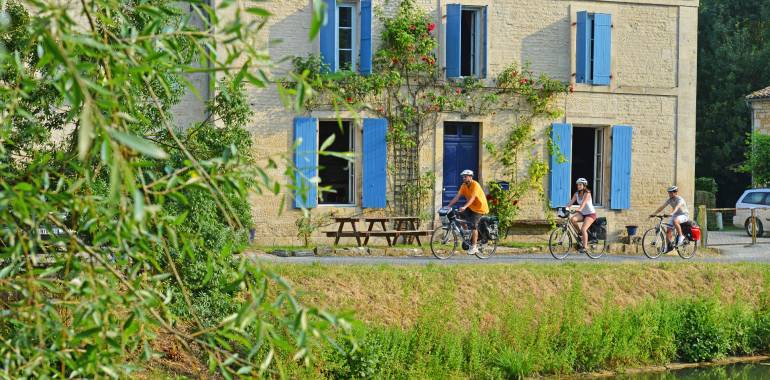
point(461, 151)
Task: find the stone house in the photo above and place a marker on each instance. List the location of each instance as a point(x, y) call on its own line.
point(759, 103)
point(628, 127)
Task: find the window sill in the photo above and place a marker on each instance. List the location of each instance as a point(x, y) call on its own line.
point(331, 205)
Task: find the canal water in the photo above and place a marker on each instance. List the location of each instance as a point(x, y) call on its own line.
point(743, 371)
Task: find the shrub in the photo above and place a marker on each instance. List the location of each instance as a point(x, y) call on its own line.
point(757, 159)
point(706, 184)
point(701, 334)
point(704, 198)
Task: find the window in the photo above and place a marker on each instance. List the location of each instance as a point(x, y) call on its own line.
point(469, 42)
point(754, 198)
point(337, 174)
point(588, 160)
point(599, 167)
point(346, 32)
point(345, 40)
point(593, 50)
point(466, 41)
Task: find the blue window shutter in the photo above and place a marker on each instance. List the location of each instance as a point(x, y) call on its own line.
point(328, 36)
point(306, 162)
point(365, 65)
point(453, 28)
point(375, 163)
point(561, 164)
point(582, 50)
point(620, 193)
point(602, 48)
point(484, 44)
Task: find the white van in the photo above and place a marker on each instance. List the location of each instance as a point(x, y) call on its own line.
point(758, 199)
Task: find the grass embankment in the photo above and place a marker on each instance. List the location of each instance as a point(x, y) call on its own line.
point(513, 321)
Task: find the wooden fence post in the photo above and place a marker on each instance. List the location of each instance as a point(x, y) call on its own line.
point(753, 226)
point(702, 219)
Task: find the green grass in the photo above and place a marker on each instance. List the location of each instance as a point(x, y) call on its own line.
point(517, 244)
point(502, 321)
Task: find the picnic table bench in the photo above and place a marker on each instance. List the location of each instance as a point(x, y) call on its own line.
point(406, 226)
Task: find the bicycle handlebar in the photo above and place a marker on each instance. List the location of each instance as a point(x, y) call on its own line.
point(661, 216)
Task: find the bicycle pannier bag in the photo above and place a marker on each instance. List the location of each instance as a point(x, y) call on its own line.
point(695, 232)
point(599, 229)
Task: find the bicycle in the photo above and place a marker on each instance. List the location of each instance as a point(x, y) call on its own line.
point(655, 241)
point(445, 238)
point(560, 241)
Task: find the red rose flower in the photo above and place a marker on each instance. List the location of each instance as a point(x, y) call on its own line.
point(522, 81)
point(571, 88)
point(458, 90)
point(412, 27)
point(349, 99)
point(431, 26)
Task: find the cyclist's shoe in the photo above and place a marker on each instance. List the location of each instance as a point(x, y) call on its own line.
point(680, 241)
point(582, 251)
point(474, 250)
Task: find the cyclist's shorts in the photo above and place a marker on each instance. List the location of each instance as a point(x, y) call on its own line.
point(471, 217)
point(680, 218)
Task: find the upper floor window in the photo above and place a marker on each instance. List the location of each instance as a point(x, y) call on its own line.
point(466, 41)
point(346, 30)
point(346, 38)
point(594, 48)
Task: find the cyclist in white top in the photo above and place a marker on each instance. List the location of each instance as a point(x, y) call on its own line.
point(586, 212)
point(679, 214)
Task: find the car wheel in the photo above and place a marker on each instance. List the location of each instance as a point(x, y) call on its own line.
point(760, 229)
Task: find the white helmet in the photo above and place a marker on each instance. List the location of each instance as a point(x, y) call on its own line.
point(466, 172)
point(583, 181)
point(673, 189)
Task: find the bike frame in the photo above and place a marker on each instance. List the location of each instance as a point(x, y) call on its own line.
point(665, 227)
point(574, 232)
point(455, 225)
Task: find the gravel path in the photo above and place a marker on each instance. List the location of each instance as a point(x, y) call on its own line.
point(734, 246)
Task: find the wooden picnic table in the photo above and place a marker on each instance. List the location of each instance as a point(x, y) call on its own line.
point(406, 226)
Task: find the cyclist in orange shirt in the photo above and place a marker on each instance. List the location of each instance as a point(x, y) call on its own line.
point(475, 206)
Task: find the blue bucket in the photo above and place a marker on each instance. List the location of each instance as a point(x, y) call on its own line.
point(631, 230)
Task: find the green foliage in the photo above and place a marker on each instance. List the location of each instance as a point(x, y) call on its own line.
point(758, 159)
point(732, 56)
point(151, 216)
point(702, 333)
point(307, 224)
point(706, 184)
point(557, 338)
point(708, 199)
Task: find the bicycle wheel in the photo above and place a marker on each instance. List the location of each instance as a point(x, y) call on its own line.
point(596, 248)
point(654, 243)
point(559, 243)
point(687, 250)
point(486, 250)
point(443, 242)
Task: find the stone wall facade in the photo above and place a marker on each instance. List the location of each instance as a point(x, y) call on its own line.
point(760, 115)
point(652, 89)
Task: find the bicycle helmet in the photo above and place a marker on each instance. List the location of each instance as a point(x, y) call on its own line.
point(561, 212)
point(583, 181)
point(672, 189)
point(466, 172)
